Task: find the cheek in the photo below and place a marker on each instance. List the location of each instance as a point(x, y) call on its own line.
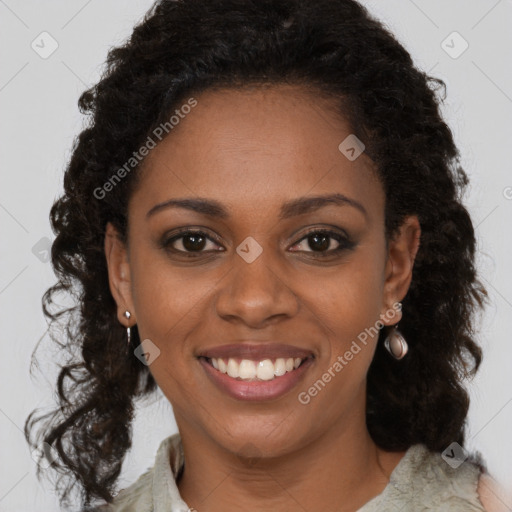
point(348, 300)
point(167, 299)
point(170, 306)
point(348, 309)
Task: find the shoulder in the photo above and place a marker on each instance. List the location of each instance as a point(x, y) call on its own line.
point(135, 498)
point(153, 485)
point(427, 479)
point(492, 495)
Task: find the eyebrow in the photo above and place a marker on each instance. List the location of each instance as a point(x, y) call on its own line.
point(300, 206)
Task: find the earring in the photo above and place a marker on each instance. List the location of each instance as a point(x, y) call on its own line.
point(127, 315)
point(395, 343)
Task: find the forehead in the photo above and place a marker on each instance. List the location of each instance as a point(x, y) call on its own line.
point(257, 145)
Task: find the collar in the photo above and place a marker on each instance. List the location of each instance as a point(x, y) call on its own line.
point(169, 462)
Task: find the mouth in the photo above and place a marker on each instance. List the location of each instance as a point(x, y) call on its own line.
point(249, 370)
point(256, 372)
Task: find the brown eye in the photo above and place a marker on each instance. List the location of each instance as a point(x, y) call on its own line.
point(321, 242)
point(190, 242)
point(194, 242)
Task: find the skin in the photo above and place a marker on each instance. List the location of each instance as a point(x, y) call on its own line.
point(252, 150)
point(493, 496)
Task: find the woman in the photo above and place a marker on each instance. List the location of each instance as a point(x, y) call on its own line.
point(265, 191)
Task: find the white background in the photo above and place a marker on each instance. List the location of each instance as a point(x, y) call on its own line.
point(40, 119)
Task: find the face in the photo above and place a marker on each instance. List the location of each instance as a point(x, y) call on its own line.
point(260, 274)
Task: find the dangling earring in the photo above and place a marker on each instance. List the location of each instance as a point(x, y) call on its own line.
point(395, 343)
point(127, 315)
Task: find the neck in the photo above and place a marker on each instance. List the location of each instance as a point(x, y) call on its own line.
point(340, 470)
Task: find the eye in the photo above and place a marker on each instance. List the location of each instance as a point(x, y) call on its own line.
point(190, 241)
point(322, 241)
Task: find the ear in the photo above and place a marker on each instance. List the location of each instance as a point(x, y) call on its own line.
point(119, 275)
point(402, 250)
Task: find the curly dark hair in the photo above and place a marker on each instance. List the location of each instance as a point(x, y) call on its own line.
point(332, 47)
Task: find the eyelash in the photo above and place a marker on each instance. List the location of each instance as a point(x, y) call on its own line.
point(344, 242)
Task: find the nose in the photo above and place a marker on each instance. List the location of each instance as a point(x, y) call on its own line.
point(256, 294)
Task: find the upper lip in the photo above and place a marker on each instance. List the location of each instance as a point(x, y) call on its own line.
point(256, 351)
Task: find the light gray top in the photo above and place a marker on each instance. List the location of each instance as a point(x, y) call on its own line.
point(421, 481)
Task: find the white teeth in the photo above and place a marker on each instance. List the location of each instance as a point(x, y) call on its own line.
point(223, 367)
point(233, 368)
point(246, 369)
point(265, 369)
point(279, 367)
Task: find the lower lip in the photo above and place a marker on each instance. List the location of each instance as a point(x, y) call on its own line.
point(256, 390)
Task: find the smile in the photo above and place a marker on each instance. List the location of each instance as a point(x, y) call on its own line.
point(255, 372)
point(249, 370)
